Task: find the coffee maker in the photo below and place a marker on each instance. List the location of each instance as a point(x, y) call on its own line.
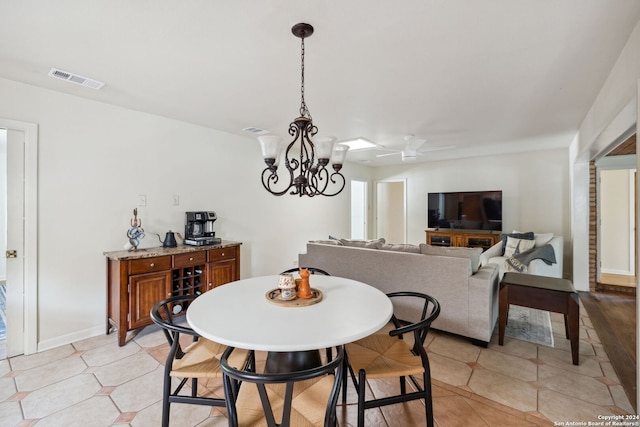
point(198, 229)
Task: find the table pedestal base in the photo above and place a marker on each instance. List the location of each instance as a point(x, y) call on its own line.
point(292, 361)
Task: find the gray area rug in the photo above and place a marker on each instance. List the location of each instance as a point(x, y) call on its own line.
point(529, 324)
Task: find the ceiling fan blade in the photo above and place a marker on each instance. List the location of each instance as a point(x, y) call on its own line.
point(388, 154)
point(444, 147)
point(415, 143)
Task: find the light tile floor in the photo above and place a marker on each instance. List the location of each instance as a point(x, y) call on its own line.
point(95, 382)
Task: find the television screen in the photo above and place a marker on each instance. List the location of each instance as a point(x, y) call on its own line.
point(470, 210)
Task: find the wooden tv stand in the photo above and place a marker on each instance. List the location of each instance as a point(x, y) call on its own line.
point(462, 238)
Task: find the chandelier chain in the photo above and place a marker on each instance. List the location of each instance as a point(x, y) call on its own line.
point(304, 111)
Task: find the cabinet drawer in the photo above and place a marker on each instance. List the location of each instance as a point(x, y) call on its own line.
point(223, 253)
point(189, 259)
point(148, 265)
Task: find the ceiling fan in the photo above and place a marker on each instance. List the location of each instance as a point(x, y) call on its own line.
point(412, 149)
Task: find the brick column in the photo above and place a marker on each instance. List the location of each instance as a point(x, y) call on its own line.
point(593, 227)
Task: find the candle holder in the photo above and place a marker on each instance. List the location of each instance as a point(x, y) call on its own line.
point(287, 286)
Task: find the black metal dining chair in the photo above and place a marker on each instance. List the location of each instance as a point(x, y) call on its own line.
point(200, 359)
point(312, 270)
point(301, 398)
point(388, 355)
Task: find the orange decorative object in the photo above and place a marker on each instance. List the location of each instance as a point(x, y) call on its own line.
point(304, 289)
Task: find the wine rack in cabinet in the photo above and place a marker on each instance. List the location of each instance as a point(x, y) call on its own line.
point(189, 274)
point(136, 281)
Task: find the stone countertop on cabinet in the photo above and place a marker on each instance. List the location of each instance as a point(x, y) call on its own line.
point(160, 251)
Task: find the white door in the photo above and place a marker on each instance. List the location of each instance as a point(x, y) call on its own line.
point(22, 236)
point(617, 223)
point(359, 211)
point(391, 211)
point(15, 242)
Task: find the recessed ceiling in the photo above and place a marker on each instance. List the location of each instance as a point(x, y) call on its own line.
point(486, 76)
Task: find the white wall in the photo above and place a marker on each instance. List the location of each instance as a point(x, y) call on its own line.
point(614, 111)
point(94, 159)
point(535, 189)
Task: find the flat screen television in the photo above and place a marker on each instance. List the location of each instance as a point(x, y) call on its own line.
point(468, 210)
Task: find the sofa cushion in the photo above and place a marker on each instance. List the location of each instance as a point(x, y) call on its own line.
point(472, 253)
point(528, 235)
point(542, 238)
point(517, 246)
point(369, 244)
point(401, 247)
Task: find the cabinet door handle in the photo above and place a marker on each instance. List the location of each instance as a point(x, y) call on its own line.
point(209, 284)
point(169, 294)
point(152, 264)
point(190, 258)
point(222, 253)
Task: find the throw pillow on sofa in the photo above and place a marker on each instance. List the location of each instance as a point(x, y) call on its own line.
point(369, 244)
point(517, 246)
point(528, 236)
point(472, 253)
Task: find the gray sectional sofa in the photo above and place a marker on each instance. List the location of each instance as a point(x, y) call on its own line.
point(467, 292)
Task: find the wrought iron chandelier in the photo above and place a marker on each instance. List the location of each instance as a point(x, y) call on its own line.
point(308, 176)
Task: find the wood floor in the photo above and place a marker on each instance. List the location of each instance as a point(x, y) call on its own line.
point(613, 315)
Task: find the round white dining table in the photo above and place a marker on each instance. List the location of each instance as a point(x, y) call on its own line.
point(238, 314)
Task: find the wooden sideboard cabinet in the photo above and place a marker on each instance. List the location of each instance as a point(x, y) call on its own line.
point(462, 238)
point(137, 280)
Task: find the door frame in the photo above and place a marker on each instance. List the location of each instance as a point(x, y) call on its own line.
point(30, 284)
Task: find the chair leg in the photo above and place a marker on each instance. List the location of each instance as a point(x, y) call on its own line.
point(403, 385)
point(428, 400)
point(346, 371)
point(194, 387)
point(166, 391)
point(361, 392)
point(344, 383)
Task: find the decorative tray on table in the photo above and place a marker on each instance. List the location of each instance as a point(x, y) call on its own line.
point(273, 296)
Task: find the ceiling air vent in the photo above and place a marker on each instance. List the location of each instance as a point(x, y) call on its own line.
point(256, 131)
point(75, 78)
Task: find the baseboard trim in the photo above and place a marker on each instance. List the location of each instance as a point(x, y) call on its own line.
point(70, 338)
